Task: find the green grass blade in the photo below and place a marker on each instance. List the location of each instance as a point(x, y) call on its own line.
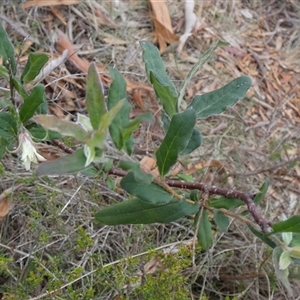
point(205, 57)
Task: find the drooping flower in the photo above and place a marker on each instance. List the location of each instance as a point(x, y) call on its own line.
point(29, 153)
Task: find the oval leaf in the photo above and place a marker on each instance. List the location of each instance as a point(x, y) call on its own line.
point(176, 140)
point(137, 211)
point(33, 66)
point(217, 101)
point(8, 126)
point(204, 236)
point(221, 220)
point(152, 193)
point(32, 102)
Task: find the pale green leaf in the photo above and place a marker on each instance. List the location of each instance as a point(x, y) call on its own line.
point(68, 164)
point(95, 102)
point(64, 127)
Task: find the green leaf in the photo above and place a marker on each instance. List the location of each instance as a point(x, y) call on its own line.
point(108, 117)
point(8, 126)
point(204, 58)
point(117, 92)
point(66, 128)
point(224, 202)
point(7, 51)
point(163, 86)
point(194, 195)
point(296, 240)
point(262, 191)
point(137, 211)
point(139, 175)
point(217, 101)
point(194, 142)
point(164, 94)
point(290, 225)
point(204, 235)
point(32, 102)
point(221, 220)
point(6, 144)
point(33, 66)
point(68, 164)
point(263, 237)
point(152, 193)
point(176, 140)
point(284, 260)
point(95, 102)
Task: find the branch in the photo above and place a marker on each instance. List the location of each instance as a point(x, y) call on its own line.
point(213, 190)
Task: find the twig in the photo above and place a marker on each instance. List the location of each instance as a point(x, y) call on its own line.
point(211, 189)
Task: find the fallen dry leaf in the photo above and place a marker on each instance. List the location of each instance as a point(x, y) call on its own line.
point(5, 201)
point(162, 22)
point(4, 207)
point(41, 3)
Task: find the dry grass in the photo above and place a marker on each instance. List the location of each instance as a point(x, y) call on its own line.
point(50, 235)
